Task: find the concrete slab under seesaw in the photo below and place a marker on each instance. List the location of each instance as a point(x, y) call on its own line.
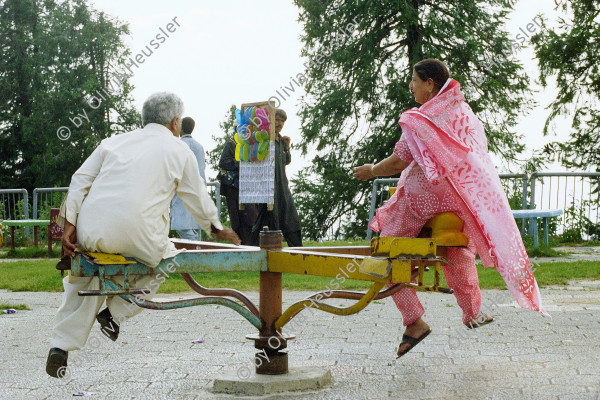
point(248, 383)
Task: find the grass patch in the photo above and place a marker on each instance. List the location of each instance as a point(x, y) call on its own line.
point(559, 273)
point(30, 275)
point(32, 252)
point(544, 252)
point(546, 274)
point(246, 281)
point(590, 243)
point(235, 280)
point(41, 276)
point(4, 306)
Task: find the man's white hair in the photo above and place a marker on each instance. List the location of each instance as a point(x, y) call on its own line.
point(161, 108)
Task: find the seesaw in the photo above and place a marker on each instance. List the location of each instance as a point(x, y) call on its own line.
point(396, 261)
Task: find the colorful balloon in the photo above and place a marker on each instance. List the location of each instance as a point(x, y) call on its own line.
point(252, 134)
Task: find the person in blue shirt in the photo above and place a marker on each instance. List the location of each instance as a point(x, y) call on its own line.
point(181, 220)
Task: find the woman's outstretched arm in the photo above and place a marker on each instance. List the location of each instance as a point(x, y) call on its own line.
point(390, 166)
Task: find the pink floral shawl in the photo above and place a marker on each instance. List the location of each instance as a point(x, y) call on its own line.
point(448, 142)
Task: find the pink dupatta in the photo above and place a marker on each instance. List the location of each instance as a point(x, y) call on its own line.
point(448, 142)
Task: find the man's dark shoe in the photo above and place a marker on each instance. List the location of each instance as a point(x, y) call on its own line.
point(56, 366)
point(108, 326)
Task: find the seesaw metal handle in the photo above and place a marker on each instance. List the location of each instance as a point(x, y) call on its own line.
point(169, 305)
point(296, 308)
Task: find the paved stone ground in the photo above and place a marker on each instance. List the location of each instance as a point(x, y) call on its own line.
point(522, 355)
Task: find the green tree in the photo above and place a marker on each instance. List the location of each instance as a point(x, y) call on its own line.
point(571, 54)
point(357, 87)
point(56, 57)
point(226, 133)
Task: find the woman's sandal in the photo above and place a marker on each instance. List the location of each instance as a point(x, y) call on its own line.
point(412, 341)
point(480, 320)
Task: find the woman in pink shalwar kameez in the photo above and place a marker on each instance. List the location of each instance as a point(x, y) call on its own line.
point(445, 166)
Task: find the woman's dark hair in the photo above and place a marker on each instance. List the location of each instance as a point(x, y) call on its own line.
point(434, 69)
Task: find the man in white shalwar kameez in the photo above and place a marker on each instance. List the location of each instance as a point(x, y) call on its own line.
point(118, 202)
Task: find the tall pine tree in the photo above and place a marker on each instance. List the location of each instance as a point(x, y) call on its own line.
point(357, 87)
point(571, 53)
point(226, 133)
point(55, 57)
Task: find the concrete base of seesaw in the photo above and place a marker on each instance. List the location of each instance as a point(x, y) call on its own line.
point(298, 378)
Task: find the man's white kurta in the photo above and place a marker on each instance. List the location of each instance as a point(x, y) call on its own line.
point(119, 198)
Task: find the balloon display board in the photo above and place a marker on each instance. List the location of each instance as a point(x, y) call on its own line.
point(255, 150)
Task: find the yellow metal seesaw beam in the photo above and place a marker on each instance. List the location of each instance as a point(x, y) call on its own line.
point(392, 262)
point(339, 266)
point(346, 266)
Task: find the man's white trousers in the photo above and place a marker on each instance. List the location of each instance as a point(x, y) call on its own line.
point(77, 314)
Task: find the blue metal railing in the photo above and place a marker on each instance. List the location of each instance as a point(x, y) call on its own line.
point(580, 194)
point(579, 197)
point(10, 208)
point(44, 198)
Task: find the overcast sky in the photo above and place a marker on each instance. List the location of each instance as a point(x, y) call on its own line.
point(233, 52)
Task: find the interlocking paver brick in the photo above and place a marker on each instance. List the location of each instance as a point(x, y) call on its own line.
point(520, 355)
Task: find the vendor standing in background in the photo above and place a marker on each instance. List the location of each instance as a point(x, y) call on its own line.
point(181, 219)
point(242, 220)
point(284, 216)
